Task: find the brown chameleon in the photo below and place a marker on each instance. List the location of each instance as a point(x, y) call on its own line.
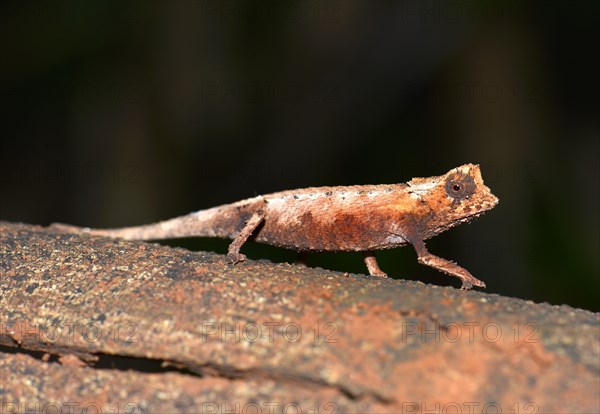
point(355, 218)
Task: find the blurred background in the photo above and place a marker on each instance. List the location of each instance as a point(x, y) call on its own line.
point(121, 113)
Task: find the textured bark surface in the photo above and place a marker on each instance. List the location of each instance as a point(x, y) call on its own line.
point(93, 323)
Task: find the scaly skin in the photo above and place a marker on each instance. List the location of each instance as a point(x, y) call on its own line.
point(353, 218)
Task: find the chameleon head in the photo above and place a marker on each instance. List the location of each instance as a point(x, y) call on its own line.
point(456, 197)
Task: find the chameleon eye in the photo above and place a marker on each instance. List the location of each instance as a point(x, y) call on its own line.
point(454, 188)
point(460, 186)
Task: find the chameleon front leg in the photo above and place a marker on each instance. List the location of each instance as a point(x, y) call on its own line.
point(446, 266)
point(372, 265)
point(233, 252)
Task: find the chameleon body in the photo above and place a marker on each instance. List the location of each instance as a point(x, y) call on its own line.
point(353, 218)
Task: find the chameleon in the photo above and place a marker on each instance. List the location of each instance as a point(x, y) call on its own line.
point(362, 218)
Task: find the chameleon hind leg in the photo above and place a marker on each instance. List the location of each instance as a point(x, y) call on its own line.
point(233, 252)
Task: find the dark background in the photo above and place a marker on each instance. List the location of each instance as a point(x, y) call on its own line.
point(124, 113)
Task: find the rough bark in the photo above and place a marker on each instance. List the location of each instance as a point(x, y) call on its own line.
point(94, 323)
